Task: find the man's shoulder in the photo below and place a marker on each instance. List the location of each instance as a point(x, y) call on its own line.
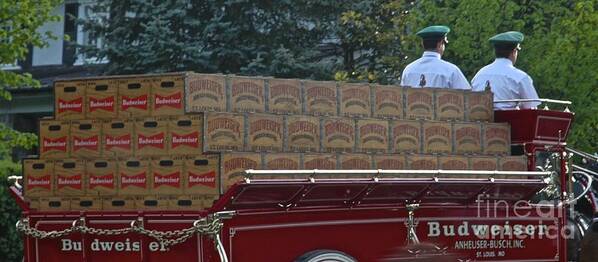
point(519, 74)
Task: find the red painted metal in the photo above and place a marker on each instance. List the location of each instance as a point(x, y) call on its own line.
point(536, 126)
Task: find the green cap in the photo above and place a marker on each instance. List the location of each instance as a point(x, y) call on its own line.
point(435, 31)
point(507, 38)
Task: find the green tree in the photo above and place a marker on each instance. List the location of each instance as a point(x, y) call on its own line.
point(19, 22)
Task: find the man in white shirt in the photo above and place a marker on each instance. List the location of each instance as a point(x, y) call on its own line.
point(430, 70)
point(506, 81)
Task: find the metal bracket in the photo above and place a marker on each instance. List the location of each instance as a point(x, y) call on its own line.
point(411, 224)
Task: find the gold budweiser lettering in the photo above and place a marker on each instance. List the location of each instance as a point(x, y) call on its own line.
point(284, 90)
point(373, 129)
point(247, 88)
point(468, 132)
point(438, 131)
point(223, 123)
point(406, 130)
point(265, 125)
point(239, 163)
point(322, 92)
point(420, 98)
point(204, 85)
point(283, 164)
point(497, 133)
point(450, 99)
point(336, 127)
point(303, 126)
point(355, 93)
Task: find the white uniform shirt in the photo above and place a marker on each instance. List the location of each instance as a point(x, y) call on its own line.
point(437, 73)
point(506, 82)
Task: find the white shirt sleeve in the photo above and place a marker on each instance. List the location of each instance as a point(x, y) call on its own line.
point(459, 81)
point(527, 91)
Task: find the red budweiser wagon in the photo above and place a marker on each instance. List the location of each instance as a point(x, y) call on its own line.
point(367, 215)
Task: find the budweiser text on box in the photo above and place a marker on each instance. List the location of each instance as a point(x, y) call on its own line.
point(355, 100)
point(354, 162)
point(406, 136)
point(69, 99)
point(422, 162)
point(185, 134)
point(338, 134)
point(419, 103)
point(450, 104)
point(101, 99)
point(134, 97)
point(480, 106)
point(453, 162)
point(101, 177)
point(373, 135)
point(54, 139)
point(69, 175)
point(320, 161)
point(152, 137)
point(388, 101)
point(205, 93)
point(86, 138)
point(234, 166)
point(497, 139)
point(437, 137)
point(284, 96)
point(167, 95)
point(320, 98)
point(201, 174)
point(281, 162)
point(390, 162)
point(247, 94)
point(38, 178)
point(303, 133)
point(468, 138)
point(513, 163)
point(224, 132)
point(166, 177)
point(133, 177)
point(483, 163)
point(118, 138)
point(265, 133)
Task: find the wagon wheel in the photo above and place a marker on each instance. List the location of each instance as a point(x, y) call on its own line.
point(325, 256)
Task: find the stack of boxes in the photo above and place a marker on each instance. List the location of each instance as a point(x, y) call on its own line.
point(177, 141)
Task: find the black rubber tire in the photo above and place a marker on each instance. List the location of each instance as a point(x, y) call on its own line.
point(589, 244)
point(325, 255)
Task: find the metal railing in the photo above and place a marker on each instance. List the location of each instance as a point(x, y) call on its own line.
point(546, 101)
point(378, 172)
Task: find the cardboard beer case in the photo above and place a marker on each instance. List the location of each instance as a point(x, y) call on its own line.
point(338, 134)
point(372, 136)
point(289, 161)
point(265, 133)
point(186, 134)
point(102, 177)
point(119, 202)
point(419, 103)
point(354, 162)
point(151, 137)
point(70, 177)
point(54, 142)
point(205, 92)
point(468, 138)
point(483, 163)
point(167, 176)
point(201, 175)
point(154, 202)
point(101, 97)
point(38, 178)
point(355, 100)
point(133, 177)
point(53, 204)
point(422, 162)
point(69, 98)
point(234, 166)
point(85, 203)
point(390, 162)
point(191, 202)
point(302, 133)
point(437, 137)
point(224, 132)
point(496, 139)
point(134, 96)
point(406, 136)
point(512, 163)
point(479, 106)
point(453, 162)
point(284, 96)
point(86, 139)
point(450, 104)
point(320, 161)
point(247, 94)
point(320, 98)
point(388, 102)
point(118, 138)
point(168, 92)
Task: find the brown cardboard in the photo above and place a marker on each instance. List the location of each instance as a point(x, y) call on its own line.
point(38, 178)
point(205, 93)
point(354, 162)
point(437, 137)
point(496, 139)
point(86, 138)
point(355, 100)
point(468, 138)
point(54, 139)
point(85, 203)
point(247, 94)
point(338, 134)
point(373, 135)
point(390, 162)
point(406, 136)
point(190, 202)
point(480, 106)
point(284, 96)
point(303, 134)
point(281, 162)
point(54, 204)
point(102, 177)
point(153, 202)
point(265, 133)
point(166, 177)
point(319, 161)
point(512, 163)
point(167, 95)
point(388, 101)
point(483, 163)
point(419, 103)
point(69, 99)
point(134, 97)
point(201, 174)
point(224, 132)
point(320, 98)
point(119, 203)
point(185, 133)
point(133, 177)
point(118, 138)
point(152, 137)
point(70, 176)
point(101, 99)
point(450, 104)
point(453, 162)
point(234, 166)
point(422, 162)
